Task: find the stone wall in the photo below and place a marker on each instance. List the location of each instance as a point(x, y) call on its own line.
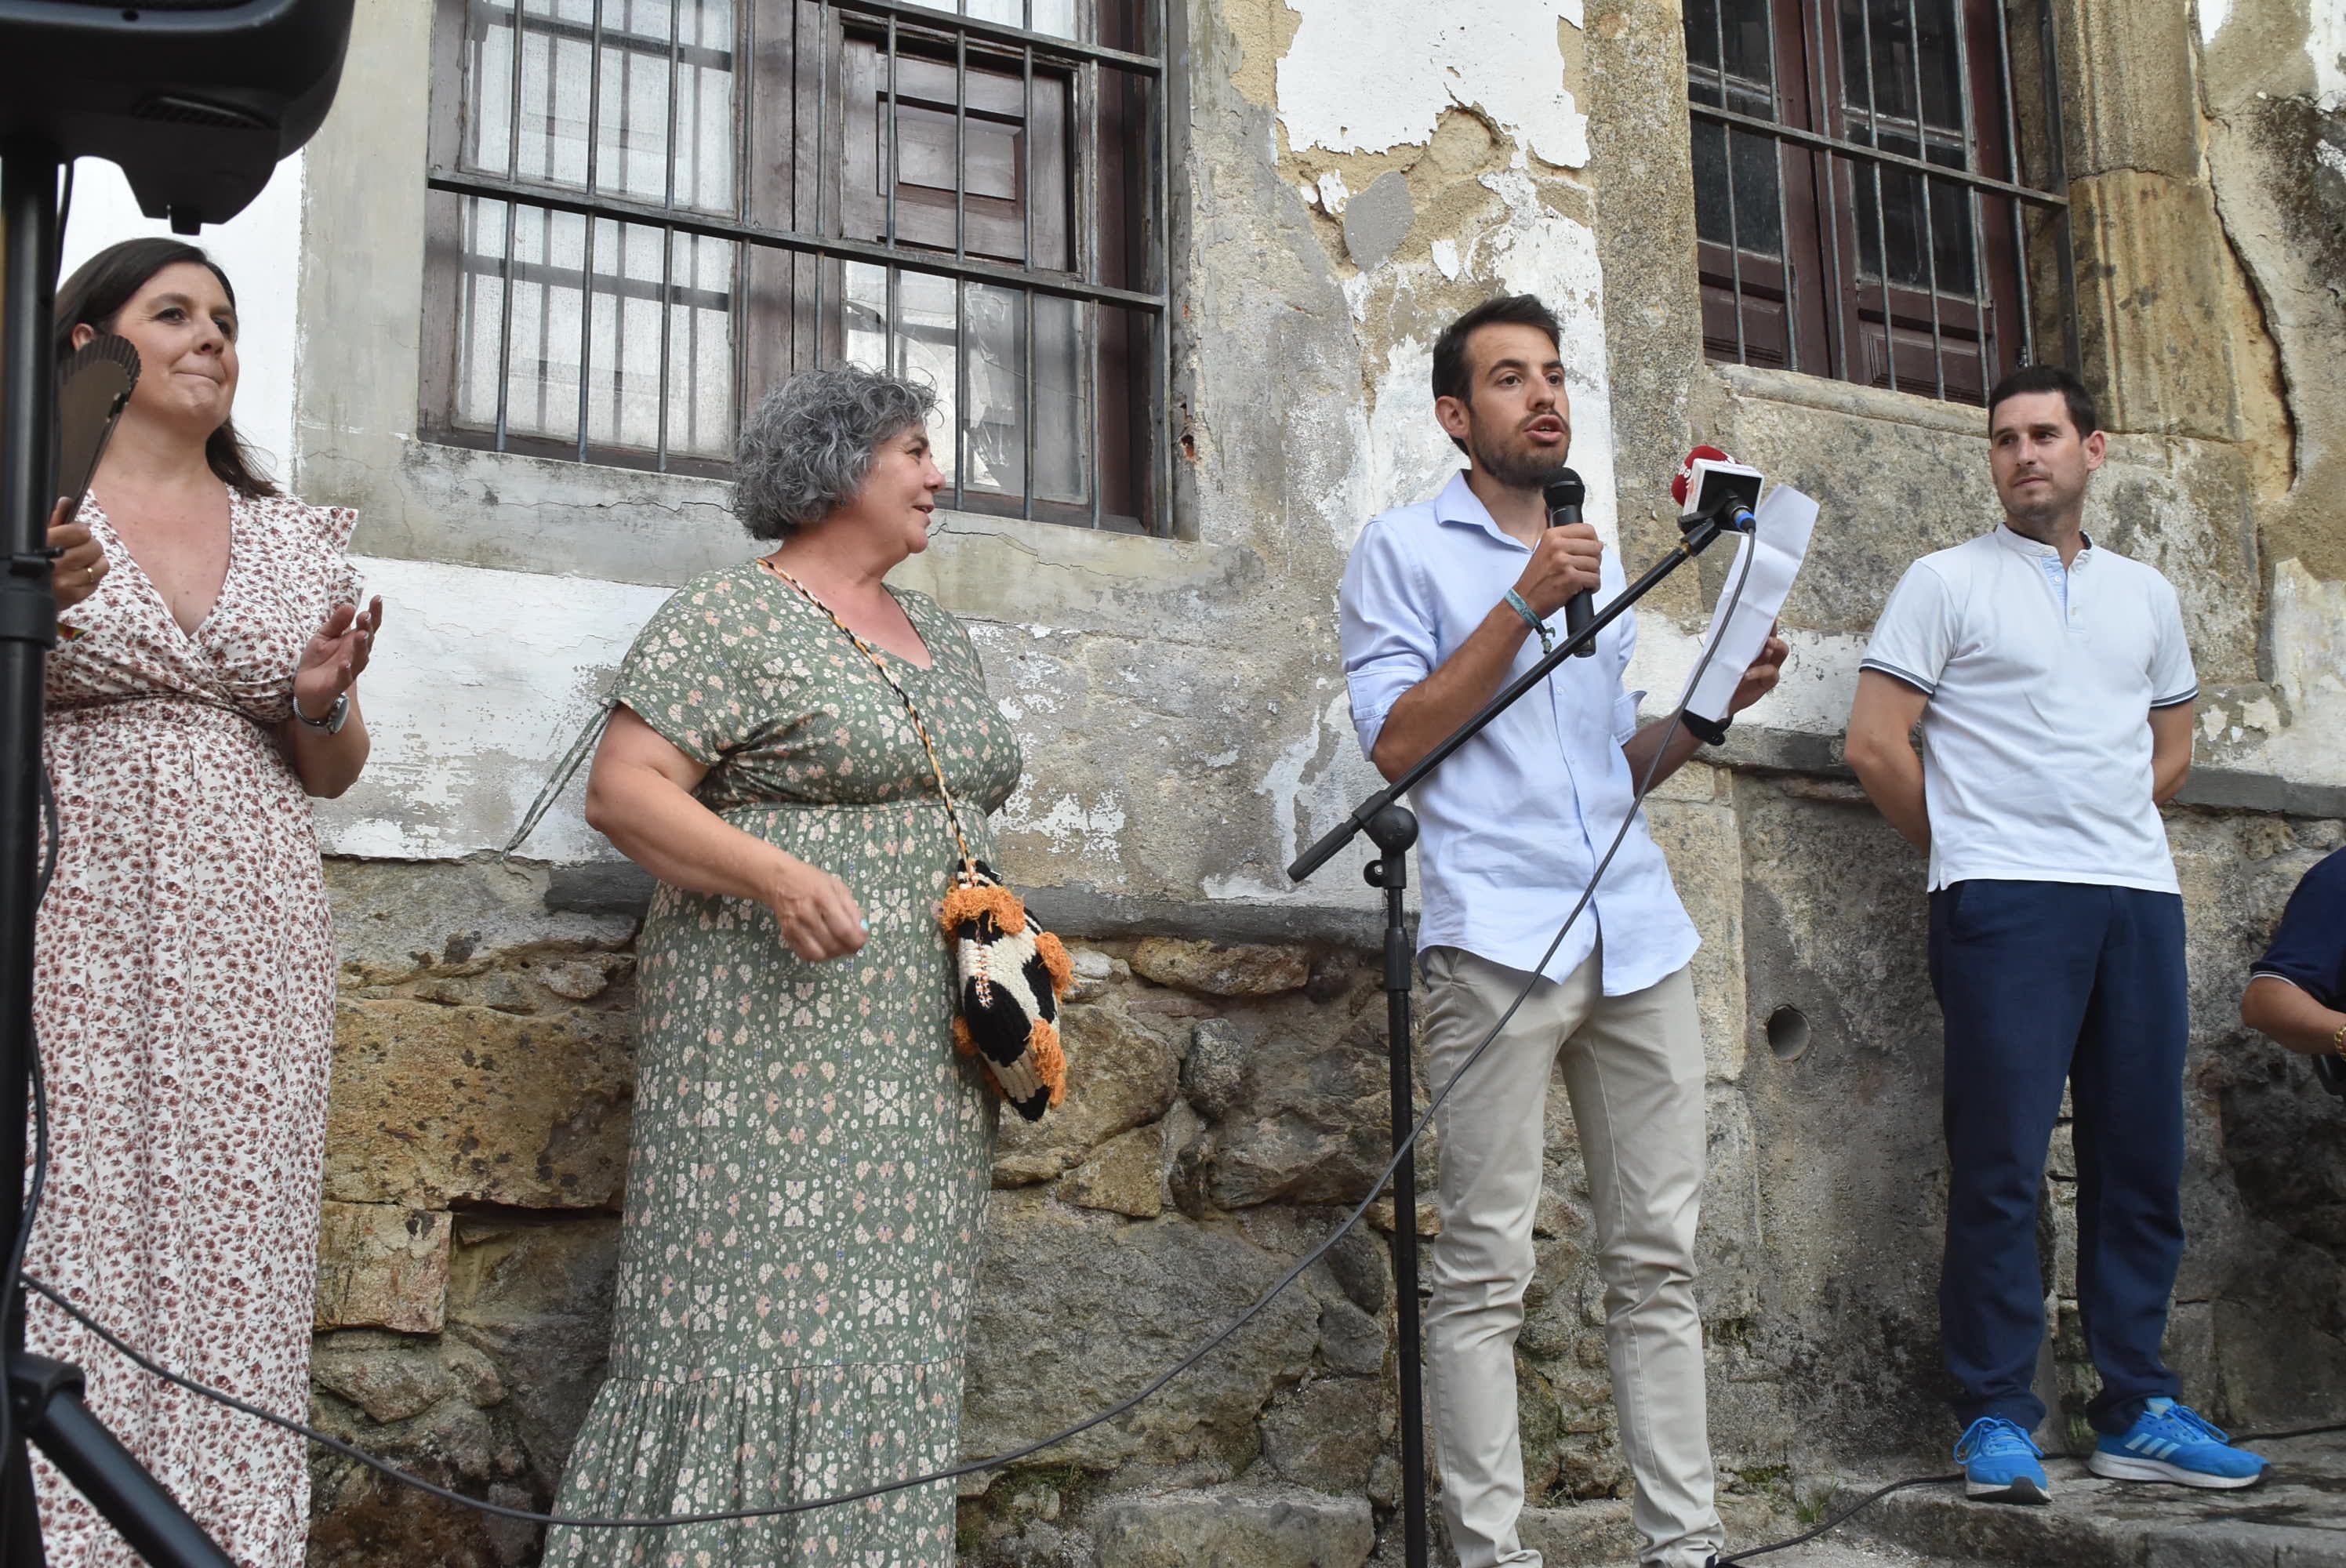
point(1226, 1106)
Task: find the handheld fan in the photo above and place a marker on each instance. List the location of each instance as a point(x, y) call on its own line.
point(93, 388)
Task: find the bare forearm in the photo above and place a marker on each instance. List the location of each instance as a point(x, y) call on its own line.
point(2167, 776)
point(1428, 711)
point(327, 765)
point(1639, 749)
point(2275, 1008)
point(664, 830)
point(1892, 778)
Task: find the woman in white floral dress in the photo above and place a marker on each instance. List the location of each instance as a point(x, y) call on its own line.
point(184, 967)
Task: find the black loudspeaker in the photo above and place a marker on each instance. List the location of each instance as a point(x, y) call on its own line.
point(196, 100)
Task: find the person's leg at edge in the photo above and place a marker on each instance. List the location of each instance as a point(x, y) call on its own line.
point(1636, 1073)
point(2013, 963)
point(1493, 1152)
point(2126, 1094)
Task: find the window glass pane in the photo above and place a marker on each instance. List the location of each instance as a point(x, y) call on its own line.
point(1056, 18)
point(999, 407)
point(540, 348)
point(1758, 216)
point(1915, 244)
point(563, 334)
point(665, 106)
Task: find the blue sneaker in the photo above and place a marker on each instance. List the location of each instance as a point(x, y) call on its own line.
point(2001, 1463)
point(2170, 1443)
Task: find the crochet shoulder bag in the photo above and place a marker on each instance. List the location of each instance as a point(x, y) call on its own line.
point(1010, 973)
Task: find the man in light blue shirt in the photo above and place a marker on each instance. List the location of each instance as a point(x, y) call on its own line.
point(1443, 603)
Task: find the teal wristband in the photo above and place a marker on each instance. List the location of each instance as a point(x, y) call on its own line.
point(1546, 637)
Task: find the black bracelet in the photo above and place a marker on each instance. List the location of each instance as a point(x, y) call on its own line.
point(1712, 731)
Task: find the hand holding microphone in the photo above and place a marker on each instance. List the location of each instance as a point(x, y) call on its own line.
point(1564, 564)
point(1563, 494)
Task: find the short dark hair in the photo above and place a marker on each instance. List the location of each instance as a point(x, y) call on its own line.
point(2030, 379)
point(1452, 376)
point(94, 295)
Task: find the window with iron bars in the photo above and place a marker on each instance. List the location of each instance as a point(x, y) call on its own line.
point(1863, 203)
point(644, 213)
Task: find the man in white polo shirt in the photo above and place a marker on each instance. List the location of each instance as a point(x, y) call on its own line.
point(1442, 603)
point(2053, 688)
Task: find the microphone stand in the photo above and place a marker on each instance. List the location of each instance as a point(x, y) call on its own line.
point(1392, 828)
point(44, 1402)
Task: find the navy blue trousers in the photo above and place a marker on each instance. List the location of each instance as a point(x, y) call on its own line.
point(2042, 984)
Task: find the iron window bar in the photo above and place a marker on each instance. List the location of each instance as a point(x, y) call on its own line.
point(1859, 150)
point(459, 182)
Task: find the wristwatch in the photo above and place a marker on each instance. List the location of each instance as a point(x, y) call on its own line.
point(335, 717)
point(1712, 732)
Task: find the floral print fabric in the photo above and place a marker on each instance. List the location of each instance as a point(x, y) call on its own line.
point(184, 987)
point(810, 1156)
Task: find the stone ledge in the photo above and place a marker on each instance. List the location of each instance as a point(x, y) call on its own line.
point(2291, 1521)
point(1072, 910)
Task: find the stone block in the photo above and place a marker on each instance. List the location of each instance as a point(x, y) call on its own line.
point(1075, 1310)
point(2151, 326)
point(1327, 1434)
point(1236, 1527)
point(381, 1266)
point(391, 1381)
point(1123, 1176)
point(1213, 1075)
point(1121, 1073)
point(395, 920)
point(532, 1299)
point(1202, 966)
point(1311, 1120)
point(1701, 845)
point(433, 1104)
point(2131, 102)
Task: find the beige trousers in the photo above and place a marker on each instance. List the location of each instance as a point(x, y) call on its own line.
point(1633, 1066)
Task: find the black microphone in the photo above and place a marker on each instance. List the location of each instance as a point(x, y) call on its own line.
point(1563, 494)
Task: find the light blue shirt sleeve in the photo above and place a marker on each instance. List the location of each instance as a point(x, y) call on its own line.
point(1389, 644)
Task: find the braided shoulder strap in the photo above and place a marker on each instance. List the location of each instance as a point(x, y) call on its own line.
point(952, 814)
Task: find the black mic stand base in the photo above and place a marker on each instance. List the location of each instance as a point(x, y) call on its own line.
point(46, 1397)
point(1392, 828)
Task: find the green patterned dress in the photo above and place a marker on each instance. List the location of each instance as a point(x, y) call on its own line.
point(811, 1157)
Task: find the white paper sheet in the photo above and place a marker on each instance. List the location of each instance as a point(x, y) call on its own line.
point(1775, 549)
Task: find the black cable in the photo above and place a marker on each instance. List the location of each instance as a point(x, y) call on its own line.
point(1843, 1517)
point(998, 1462)
point(2292, 1433)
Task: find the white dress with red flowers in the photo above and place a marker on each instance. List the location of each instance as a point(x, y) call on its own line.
point(184, 989)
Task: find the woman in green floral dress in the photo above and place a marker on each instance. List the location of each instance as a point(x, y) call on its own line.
point(810, 1156)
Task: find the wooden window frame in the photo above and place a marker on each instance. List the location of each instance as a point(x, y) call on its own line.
point(1815, 308)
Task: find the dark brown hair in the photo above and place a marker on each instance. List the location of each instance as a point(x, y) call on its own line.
point(94, 295)
point(2030, 379)
point(1451, 371)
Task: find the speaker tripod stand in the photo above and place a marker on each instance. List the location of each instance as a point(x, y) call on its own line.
point(45, 1397)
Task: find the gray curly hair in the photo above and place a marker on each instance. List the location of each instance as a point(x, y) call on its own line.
point(807, 446)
